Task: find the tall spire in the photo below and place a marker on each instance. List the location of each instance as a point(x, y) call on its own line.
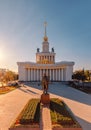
point(45, 36)
point(45, 24)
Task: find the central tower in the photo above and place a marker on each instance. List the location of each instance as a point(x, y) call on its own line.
point(45, 56)
point(45, 44)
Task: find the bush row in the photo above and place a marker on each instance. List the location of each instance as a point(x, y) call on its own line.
point(31, 113)
point(60, 114)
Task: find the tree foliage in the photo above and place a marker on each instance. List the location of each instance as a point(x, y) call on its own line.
point(80, 75)
point(87, 73)
point(8, 76)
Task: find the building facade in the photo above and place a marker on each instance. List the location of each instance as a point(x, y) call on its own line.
point(45, 63)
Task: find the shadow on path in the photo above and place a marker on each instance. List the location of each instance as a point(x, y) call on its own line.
point(32, 91)
point(66, 91)
point(27, 90)
point(86, 125)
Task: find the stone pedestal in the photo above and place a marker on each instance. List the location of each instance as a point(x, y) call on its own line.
point(45, 99)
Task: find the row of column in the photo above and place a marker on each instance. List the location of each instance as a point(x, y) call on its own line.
point(37, 74)
point(50, 58)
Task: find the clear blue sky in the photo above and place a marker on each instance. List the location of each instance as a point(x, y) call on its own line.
point(22, 30)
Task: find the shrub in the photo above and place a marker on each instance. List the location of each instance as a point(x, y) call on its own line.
point(31, 113)
point(60, 114)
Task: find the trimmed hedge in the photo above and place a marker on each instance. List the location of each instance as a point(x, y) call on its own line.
point(30, 115)
point(60, 115)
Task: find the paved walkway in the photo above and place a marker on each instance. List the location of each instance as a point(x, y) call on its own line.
point(78, 102)
point(45, 121)
point(12, 103)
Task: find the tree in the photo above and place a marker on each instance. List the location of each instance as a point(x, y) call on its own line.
point(79, 75)
point(10, 76)
point(87, 75)
point(1, 77)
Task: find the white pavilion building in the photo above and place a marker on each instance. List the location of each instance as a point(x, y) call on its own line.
point(45, 63)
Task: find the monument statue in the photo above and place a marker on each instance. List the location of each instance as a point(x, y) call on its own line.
point(45, 82)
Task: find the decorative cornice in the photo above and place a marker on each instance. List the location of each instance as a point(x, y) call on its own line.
point(45, 66)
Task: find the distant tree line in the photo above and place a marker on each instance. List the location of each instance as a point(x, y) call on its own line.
point(8, 76)
point(81, 75)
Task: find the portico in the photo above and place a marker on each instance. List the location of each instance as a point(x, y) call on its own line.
point(57, 72)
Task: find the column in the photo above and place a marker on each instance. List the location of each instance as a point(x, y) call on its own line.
point(56, 75)
point(47, 72)
point(62, 74)
point(59, 74)
point(53, 74)
point(50, 74)
point(50, 58)
point(37, 74)
point(43, 72)
point(53, 58)
point(34, 74)
point(28, 74)
point(40, 74)
point(31, 74)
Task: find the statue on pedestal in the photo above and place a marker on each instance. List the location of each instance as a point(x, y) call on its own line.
point(45, 82)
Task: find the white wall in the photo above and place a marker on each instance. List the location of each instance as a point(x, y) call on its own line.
point(21, 71)
point(69, 72)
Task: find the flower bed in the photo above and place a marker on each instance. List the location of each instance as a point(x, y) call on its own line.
point(29, 117)
point(61, 116)
point(6, 89)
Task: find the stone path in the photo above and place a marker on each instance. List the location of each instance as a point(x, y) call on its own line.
point(45, 121)
point(79, 102)
point(12, 103)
